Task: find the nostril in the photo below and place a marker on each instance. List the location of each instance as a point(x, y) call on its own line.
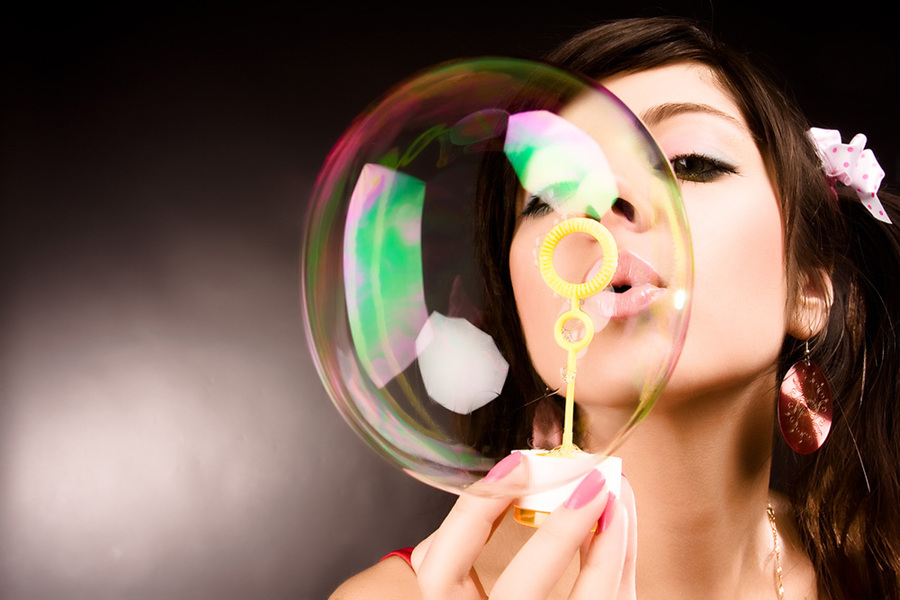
point(624, 208)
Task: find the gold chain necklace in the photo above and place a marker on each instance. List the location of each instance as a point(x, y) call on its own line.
point(779, 575)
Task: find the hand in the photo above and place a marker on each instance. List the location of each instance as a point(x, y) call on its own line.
point(444, 561)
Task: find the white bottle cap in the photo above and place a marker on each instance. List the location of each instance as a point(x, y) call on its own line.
point(531, 510)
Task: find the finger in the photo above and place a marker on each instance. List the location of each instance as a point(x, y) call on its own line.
point(444, 561)
point(628, 590)
point(604, 558)
point(445, 567)
point(538, 566)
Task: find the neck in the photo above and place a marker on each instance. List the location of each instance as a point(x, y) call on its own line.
point(700, 471)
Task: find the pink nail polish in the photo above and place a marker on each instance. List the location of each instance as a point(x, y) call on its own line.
point(503, 468)
point(606, 517)
point(587, 490)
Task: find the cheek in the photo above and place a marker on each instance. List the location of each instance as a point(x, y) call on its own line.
point(537, 306)
point(738, 315)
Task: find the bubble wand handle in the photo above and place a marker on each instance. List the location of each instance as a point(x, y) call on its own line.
point(576, 292)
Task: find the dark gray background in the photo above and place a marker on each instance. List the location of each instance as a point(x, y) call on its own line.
point(163, 433)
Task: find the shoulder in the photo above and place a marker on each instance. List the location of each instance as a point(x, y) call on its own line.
point(390, 579)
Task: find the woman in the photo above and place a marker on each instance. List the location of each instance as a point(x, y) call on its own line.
point(781, 265)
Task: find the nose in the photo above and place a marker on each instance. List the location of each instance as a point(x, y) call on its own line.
point(632, 210)
point(624, 209)
point(617, 201)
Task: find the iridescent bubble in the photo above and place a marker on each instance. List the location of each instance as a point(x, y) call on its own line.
point(490, 237)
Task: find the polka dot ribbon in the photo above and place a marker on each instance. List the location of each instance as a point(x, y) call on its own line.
point(852, 165)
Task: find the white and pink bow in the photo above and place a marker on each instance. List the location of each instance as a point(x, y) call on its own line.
point(852, 165)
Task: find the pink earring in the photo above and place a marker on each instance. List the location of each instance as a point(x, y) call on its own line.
point(805, 406)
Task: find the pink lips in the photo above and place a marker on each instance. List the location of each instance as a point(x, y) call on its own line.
point(645, 286)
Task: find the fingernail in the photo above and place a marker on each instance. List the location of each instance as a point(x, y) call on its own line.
point(587, 490)
point(606, 518)
point(503, 468)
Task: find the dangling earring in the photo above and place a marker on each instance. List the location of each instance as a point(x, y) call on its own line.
point(805, 406)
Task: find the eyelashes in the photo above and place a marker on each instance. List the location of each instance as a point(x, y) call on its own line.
point(549, 199)
point(700, 168)
point(691, 167)
point(535, 207)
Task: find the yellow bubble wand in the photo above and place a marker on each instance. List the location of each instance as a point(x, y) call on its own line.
point(575, 292)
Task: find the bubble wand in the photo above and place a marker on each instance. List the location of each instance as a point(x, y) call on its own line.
point(575, 292)
point(531, 510)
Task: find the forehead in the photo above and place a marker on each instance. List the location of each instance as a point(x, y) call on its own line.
point(673, 86)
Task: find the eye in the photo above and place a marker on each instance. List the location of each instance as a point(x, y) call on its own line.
point(535, 207)
point(699, 168)
point(549, 199)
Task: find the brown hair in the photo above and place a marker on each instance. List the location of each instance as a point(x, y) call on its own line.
point(845, 496)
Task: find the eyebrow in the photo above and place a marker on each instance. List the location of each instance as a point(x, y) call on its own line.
point(661, 112)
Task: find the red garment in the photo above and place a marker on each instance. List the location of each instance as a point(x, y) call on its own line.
point(404, 553)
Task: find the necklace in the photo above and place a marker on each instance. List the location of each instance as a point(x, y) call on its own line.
point(779, 575)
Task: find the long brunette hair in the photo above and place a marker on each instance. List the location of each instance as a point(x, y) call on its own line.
point(845, 497)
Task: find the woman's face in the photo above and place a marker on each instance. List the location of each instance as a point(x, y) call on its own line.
point(738, 316)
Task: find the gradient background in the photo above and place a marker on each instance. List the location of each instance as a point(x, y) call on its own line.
point(163, 433)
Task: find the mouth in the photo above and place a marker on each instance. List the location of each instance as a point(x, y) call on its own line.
point(633, 288)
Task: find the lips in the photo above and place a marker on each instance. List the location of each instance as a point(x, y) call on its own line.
point(633, 288)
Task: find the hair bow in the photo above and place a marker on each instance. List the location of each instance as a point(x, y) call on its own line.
point(852, 165)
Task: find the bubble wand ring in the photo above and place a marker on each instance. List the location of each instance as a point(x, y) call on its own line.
point(596, 283)
point(576, 293)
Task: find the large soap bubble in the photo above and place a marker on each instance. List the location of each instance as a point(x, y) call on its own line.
point(490, 238)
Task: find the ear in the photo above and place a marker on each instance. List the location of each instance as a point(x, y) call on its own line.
point(809, 314)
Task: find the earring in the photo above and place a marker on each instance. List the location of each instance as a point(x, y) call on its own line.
point(805, 406)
